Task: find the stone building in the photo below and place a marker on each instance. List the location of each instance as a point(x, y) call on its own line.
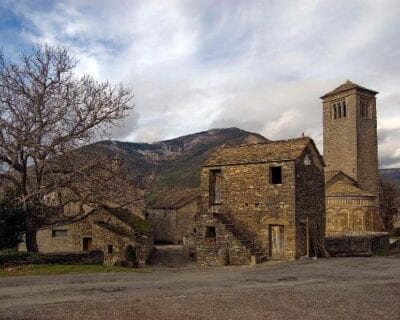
point(172, 216)
point(351, 158)
point(261, 201)
point(111, 230)
point(110, 233)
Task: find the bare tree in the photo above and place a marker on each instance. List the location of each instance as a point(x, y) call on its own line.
point(46, 111)
point(388, 200)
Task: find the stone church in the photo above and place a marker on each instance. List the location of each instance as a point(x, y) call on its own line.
point(278, 200)
point(351, 158)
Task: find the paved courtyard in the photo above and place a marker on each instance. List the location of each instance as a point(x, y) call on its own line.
point(340, 288)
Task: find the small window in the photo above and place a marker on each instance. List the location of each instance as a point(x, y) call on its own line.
point(215, 187)
point(275, 175)
point(59, 233)
point(110, 249)
point(339, 110)
point(344, 110)
point(194, 230)
point(334, 112)
point(210, 234)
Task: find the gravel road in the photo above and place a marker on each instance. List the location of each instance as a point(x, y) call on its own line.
point(336, 288)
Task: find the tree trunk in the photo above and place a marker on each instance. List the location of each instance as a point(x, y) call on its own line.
point(31, 231)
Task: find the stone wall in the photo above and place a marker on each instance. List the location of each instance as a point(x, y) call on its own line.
point(310, 203)
point(364, 244)
point(92, 257)
point(250, 205)
point(171, 225)
point(254, 202)
point(351, 214)
point(112, 243)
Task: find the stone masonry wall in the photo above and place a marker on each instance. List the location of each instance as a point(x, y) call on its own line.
point(351, 214)
point(350, 143)
point(340, 136)
point(225, 249)
point(101, 239)
point(171, 225)
point(310, 202)
point(357, 244)
point(256, 203)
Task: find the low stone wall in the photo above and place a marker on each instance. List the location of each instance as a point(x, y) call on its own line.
point(348, 245)
point(19, 258)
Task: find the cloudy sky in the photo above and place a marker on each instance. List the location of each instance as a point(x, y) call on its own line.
point(195, 65)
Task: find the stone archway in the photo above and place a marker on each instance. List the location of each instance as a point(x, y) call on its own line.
point(331, 220)
point(343, 218)
point(358, 222)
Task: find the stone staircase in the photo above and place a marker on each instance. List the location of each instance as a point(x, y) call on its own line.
point(242, 236)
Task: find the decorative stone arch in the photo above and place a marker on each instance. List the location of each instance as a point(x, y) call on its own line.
point(369, 220)
point(343, 220)
point(358, 218)
point(331, 220)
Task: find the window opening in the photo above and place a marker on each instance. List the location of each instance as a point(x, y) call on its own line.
point(59, 233)
point(211, 234)
point(110, 249)
point(275, 174)
point(215, 186)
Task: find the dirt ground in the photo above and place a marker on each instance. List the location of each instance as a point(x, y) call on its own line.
point(336, 288)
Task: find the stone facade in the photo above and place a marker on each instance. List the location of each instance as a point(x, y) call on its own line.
point(351, 157)
point(173, 216)
point(258, 202)
point(110, 232)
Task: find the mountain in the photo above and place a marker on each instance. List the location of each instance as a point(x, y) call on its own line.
point(171, 164)
point(175, 164)
point(392, 174)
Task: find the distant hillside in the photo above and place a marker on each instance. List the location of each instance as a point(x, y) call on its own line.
point(165, 165)
point(392, 174)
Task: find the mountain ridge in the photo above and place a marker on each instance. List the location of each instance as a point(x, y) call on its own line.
point(166, 165)
point(163, 166)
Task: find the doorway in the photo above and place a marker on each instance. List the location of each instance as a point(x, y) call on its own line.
point(276, 242)
point(87, 244)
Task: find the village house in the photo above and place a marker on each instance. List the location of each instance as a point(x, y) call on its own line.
point(111, 220)
point(172, 216)
point(261, 201)
point(112, 231)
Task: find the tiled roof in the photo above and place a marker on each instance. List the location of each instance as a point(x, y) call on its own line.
point(348, 85)
point(138, 224)
point(261, 152)
point(175, 199)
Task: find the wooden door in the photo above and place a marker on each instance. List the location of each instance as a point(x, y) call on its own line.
point(87, 244)
point(276, 242)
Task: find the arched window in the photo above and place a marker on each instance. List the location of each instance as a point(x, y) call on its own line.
point(334, 112)
point(339, 107)
point(344, 109)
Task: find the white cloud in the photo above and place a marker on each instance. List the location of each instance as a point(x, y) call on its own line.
point(259, 65)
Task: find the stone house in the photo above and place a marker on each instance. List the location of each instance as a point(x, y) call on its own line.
point(110, 230)
point(261, 201)
point(351, 157)
point(172, 216)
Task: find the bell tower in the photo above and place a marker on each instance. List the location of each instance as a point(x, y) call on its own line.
point(350, 135)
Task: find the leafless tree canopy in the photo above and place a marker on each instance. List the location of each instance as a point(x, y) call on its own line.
point(388, 203)
point(46, 111)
